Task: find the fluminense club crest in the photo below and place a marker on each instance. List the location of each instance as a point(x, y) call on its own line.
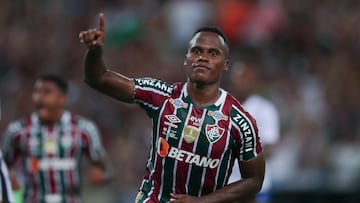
point(214, 133)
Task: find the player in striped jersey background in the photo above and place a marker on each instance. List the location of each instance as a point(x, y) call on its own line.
point(199, 129)
point(6, 193)
point(50, 144)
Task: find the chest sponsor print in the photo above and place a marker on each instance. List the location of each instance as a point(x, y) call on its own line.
point(166, 150)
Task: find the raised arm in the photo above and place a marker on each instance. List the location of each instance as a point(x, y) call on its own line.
point(96, 74)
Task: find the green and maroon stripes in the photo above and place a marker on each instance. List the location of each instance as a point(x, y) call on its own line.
point(182, 170)
point(193, 148)
point(167, 165)
point(51, 155)
point(61, 154)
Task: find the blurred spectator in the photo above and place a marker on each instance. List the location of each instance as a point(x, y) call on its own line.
point(233, 15)
point(245, 79)
point(185, 16)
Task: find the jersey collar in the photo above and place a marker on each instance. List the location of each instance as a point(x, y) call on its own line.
point(216, 105)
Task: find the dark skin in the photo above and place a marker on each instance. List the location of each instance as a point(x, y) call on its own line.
point(49, 103)
point(205, 62)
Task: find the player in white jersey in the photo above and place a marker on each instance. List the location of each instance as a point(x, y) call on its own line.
point(245, 79)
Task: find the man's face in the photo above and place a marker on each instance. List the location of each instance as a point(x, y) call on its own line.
point(49, 100)
point(206, 58)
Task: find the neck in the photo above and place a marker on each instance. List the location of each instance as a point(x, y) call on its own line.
point(53, 119)
point(203, 95)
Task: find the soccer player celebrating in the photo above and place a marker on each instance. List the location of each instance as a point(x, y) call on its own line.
point(199, 130)
point(51, 142)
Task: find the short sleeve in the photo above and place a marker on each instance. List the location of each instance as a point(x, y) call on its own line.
point(267, 118)
point(151, 93)
point(245, 133)
point(269, 125)
point(11, 143)
point(90, 135)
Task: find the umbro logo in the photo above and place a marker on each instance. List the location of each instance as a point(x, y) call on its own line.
point(173, 118)
point(171, 125)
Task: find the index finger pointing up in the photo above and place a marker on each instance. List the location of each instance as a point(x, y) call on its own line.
point(101, 22)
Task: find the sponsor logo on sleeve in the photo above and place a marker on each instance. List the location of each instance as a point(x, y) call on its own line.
point(246, 130)
point(157, 84)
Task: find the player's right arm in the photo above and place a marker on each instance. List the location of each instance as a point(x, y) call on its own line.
point(11, 149)
point(96, 74)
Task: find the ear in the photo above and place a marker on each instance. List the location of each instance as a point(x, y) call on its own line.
point(185, 60)
point(227, 65)
point(63, 99)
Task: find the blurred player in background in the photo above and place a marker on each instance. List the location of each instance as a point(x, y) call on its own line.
point(50, 143)
point(245, 78)
point(198, 128)
point(6, 193)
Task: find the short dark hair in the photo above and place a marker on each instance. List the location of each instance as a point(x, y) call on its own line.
point(215, 30)
point(57, 80)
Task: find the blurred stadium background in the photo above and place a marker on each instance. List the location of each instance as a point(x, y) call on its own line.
point(308, 51)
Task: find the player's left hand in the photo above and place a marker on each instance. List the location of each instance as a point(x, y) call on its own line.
point(180, 198)
point(96, 176)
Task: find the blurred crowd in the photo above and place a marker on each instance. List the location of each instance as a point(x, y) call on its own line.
point(307, 51)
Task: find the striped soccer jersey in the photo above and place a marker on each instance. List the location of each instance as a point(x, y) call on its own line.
point(193, 148)
point(6, 193)
point(51, 155)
